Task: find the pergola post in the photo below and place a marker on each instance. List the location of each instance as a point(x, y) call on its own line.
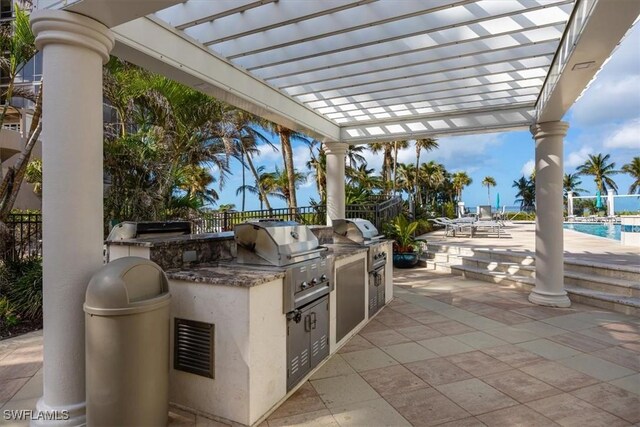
point(549, 287)
point(74, 49)
point(336, 154)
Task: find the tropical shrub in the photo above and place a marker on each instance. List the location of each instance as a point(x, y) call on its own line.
point(403, 232)
point(21, 286)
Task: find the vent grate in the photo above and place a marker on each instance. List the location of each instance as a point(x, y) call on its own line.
point(193, 349)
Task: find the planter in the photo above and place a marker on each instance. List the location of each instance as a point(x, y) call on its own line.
point(405, 259)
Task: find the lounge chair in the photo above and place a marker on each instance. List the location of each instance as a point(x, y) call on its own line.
point(484, 213)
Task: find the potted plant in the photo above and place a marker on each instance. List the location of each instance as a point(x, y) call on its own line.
point(406, 248)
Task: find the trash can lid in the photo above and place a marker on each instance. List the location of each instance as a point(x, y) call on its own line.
point(126, 285)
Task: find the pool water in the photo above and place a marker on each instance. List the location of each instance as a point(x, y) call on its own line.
point(610, 231)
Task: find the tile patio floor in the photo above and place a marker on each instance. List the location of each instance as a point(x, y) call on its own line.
point(447, 351)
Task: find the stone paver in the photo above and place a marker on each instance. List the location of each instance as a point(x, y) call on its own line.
point(447, 351)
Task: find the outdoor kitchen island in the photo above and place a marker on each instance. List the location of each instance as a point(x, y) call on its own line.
point(245, 335)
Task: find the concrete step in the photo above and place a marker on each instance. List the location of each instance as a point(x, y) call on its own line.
point(620, 304)
point(512, 268)
point(599, 283)
point(604, 299)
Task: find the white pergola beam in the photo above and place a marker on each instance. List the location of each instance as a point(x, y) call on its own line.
point(106, 12)
point(595, 30)
point(441, 125)
point(152, 45)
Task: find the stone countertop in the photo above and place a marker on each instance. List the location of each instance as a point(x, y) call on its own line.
point(155, 242)
point(228, 274)
point(344, 251)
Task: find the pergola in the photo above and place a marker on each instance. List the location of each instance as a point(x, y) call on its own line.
point(342, 71)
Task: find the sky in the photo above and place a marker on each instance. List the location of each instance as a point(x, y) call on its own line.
point(605, 119)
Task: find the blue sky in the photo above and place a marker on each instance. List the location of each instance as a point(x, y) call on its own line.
point(606, 119)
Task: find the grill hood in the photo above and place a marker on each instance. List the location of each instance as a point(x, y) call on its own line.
point(357, 230)
point(278, 243)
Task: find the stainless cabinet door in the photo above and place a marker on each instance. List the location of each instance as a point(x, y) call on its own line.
point(298, 357)
point(350, 304)
point(319, 315)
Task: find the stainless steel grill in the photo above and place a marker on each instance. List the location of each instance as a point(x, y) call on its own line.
point(136, 230)
point(357, 231)
point(293, 248)
point(361, 232)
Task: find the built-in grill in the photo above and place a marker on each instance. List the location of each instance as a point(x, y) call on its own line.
point(294, 249)
point(138, 230)
point(361, 232)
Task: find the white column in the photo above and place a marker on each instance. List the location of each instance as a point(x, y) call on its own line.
point(74, 48)
point(336, 153)
point(611, 210)
point(549, 288)
point(569, 204)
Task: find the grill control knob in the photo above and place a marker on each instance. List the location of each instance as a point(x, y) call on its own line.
point(304, 285)
point(323, 277)
point(314, 281)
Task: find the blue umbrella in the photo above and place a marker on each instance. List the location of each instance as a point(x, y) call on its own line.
point(599, 204)
point(498, 201)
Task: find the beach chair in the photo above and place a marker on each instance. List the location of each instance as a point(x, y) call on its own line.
point(484, 213)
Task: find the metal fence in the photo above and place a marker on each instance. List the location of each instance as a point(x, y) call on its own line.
point(26, 236)
point(378, 211)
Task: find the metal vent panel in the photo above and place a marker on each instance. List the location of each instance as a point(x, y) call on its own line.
point(194, 347)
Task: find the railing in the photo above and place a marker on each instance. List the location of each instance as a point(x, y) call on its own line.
point(377, 213)
point(26, 234)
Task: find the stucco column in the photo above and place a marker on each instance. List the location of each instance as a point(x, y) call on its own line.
point(336, 153)
point(549, 289)
point(74, 48)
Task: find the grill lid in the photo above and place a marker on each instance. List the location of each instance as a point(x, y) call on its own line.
point(273, 242)
point(357, 230)
point(135, 230)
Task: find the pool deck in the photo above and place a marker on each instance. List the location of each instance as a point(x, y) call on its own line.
point(446, 351)
point(521, 237)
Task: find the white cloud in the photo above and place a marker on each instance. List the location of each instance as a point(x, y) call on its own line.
point(528, 167)
point(576, 158)
point(626, 136)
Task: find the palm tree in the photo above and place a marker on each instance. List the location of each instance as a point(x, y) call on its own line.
point(571, 183)
point(318, 163)
point(354, 155)
point(489, 182)
point(407, 177)
point(286, 136)
point(397, 145)
point(363, 177)
point(387, 158)
point(432, 175)
point(597, 165)
point(281, 183)
point(460, 180)
point(426, 144)
point(526, 194)
point(633, 168)
point(265, 186)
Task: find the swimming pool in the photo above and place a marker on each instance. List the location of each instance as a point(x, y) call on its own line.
point(610, 231)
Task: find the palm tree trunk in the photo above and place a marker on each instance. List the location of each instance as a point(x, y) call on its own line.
point(488, 194)
point(416, 187)
point(244, 179)
point(287, 152)
point(263, 195)
point(395, 165)
point(13, 179)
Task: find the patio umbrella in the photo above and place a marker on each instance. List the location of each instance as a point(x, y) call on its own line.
point(498, 201)
point(599, 200)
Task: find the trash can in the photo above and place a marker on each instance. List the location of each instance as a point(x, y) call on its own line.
point(127, 344)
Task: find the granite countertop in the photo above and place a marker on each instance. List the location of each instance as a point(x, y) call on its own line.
point(154, 242)
point(227, 274)
point(343, 251)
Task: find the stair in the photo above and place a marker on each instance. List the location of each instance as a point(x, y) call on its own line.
point(613, 287)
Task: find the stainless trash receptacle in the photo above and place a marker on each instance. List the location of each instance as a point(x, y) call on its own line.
point(127, 344)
